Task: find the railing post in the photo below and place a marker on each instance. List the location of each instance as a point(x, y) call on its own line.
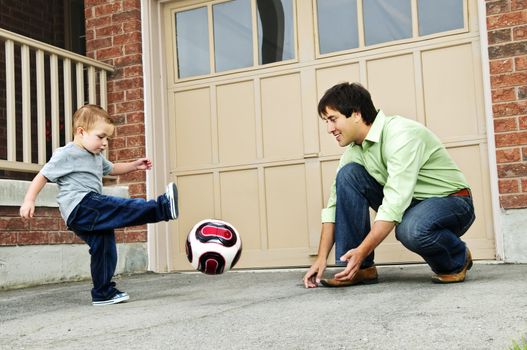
point(10, 97)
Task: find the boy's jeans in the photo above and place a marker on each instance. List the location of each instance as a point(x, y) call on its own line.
point(94, 221)
point(430, 227)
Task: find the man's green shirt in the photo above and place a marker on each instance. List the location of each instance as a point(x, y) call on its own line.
point(407, 159)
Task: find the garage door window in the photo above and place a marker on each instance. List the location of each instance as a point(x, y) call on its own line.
point(357, 24)
point(237, 26)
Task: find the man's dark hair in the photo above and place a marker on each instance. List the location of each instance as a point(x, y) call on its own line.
point(348, 98)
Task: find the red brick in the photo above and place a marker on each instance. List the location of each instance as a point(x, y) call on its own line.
point(132, 236)
point(129, 83)
point(508, 155)
point(108, 53)
point(501, 66)
point(509, 109)
point(518, 5)
point(524, 185)
point(128, 60)
point(505, 124)
point(511, 139)
point(515, 48)
point(497, 7)
point(129, 154)
point(135, 141)
point(62, 237)
point(7, 238)
point(522, 122)
point(117, 142)
point(32, 237)
point(507, 80)
point(43, 223)
point(520, 63)
point(107, 9)
point(134, 176)
point(129, 106)
point(133, 49)
point(500, 36)
point(503, 95)
point(512, 170)
point(513, 201)
point(136, 117)
point(125, 16)
point(133, 71)
point(129, 130)
point(137, 190)
point(519, 33)
point(506, 20)
point(509, 186)
point(127, 38)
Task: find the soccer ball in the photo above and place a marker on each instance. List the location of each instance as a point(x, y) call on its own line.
point(213, 246)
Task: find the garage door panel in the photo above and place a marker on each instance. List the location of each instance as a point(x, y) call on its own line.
point(240, 205)
point(449, 92)
point(469, 160)
point(282, 116)
point(191, 124)
point(285, 191)
point(196, 202)
point(326, 78)
point(236, 122)
point(389, 75)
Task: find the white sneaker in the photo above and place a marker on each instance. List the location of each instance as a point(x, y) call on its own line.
point(117, 298)
point(171, 194)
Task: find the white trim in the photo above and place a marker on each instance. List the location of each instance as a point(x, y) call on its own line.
point(159, 235)
point(487, 95)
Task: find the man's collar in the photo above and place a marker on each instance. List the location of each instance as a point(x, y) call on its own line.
point(374, 135)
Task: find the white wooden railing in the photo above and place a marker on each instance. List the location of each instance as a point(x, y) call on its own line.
point(29, 58)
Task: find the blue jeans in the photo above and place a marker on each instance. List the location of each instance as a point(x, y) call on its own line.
point(430, 228)
point(94, 220)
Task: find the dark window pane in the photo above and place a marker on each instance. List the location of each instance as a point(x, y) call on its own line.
point(275, 30)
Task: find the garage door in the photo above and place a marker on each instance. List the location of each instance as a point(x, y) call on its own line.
point(243, 81)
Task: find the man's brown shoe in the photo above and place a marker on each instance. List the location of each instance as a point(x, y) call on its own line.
point(455, 277)
point(363, 276)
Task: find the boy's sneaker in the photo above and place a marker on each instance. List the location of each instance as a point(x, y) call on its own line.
point(172, 200)
point(120, 297)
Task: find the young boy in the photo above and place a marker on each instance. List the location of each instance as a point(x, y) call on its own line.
point(78, 168)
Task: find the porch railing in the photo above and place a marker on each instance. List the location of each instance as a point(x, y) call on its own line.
point(44, 85)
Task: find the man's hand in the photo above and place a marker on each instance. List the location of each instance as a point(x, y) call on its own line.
point(313, 276)
point(354, 259)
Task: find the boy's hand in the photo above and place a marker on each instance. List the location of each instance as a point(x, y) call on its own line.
point(27, 209)
point(143, 164)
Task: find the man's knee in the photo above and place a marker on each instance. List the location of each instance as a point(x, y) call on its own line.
point(349, 173)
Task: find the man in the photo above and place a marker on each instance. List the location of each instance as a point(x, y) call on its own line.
point(400, 169)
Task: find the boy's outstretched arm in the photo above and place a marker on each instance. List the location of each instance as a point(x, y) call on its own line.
point(125, 168)
point(28, 207)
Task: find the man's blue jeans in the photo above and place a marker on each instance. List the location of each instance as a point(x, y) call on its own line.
point(94, 220)
point(430, 227)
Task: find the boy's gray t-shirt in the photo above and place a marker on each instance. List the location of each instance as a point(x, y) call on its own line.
point(77, 172)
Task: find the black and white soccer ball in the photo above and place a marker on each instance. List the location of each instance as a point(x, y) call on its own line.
point(213, 246)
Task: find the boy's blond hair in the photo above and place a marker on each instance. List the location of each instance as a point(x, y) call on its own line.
point(86, 116)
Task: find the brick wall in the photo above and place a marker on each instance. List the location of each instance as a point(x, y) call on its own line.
point(507, 33)
point(113, 31)
point(113, 36)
